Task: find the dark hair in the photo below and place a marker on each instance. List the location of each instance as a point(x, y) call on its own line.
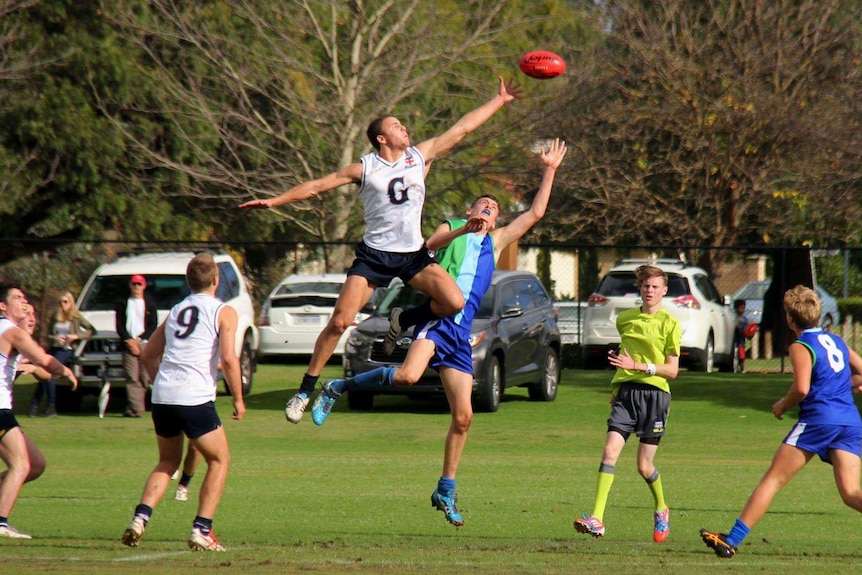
point(375, 128)
point(6, 286)
point(738, 302)
point(646, 272)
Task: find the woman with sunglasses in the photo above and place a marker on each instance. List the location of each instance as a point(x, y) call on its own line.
point(67, 329)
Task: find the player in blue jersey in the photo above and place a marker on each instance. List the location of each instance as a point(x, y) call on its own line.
point(825, 374)
point(468, 249)
point(392, 188)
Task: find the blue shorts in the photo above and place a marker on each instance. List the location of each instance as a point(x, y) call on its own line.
point(193, 420)
point(819, 438)
point(452, 344)
point(380, 267)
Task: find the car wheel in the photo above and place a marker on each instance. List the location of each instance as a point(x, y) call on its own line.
point(246, 368)
point(546, 388)
point(703, 359)
point(487, 398)
point(360, 400)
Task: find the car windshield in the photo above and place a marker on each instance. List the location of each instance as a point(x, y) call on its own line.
point(106, 292)
point(310, 287)
point(622, 284)
point(752, 291)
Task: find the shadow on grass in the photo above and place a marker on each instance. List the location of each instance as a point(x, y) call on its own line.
point(739, 390)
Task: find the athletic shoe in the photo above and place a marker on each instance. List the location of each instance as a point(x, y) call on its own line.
point(394, 333)
point(323, 404)
point(182, 493)
point(589, 524)
point(662, 526)
point(200, 542)
point(448, 504)
point(718, 543)
point(134, 532)
point(296, 407)
point(10, 532)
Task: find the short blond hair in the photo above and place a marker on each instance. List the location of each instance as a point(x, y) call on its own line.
point(802, 306)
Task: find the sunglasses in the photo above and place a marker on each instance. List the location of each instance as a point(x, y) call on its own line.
point(137, 284)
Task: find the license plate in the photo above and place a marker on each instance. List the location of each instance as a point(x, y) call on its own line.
point(308, 319)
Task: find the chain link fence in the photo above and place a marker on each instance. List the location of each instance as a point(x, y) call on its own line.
point(570, 272)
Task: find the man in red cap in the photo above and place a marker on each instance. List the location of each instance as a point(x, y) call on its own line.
point(137, 319)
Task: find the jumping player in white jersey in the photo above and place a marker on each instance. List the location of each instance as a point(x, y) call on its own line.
point(24, 462)
point(392, 181)
point(182, 358)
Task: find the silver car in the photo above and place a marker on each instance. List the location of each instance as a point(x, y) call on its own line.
point(707, 319)
point(753, 293)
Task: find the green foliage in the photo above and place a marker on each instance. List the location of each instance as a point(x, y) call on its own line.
point(850, 306)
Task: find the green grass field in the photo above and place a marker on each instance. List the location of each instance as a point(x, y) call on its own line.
point(353, 496)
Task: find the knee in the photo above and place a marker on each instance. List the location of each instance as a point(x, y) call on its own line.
point(405, 378)
point(453, 304)
point(337, 325)
point(36, 469)
point(461, 422)
point(645, 470)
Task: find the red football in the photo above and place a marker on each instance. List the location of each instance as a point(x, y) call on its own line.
point(542, 65)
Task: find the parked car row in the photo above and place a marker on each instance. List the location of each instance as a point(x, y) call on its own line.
point(706, 318)
point(754, 292)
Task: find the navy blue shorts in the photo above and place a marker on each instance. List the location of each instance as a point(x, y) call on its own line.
point(193, 420)
point(640, 409)
point(380, 267)
point(820, 438)
point(452, 344)
point(7, 422)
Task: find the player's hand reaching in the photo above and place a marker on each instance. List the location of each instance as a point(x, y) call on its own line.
point(256, 205)
point(553, 156)
point(510, 90)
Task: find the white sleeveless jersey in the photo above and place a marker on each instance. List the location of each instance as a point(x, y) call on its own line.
point(393, 196)
point(187, 374)
point(8, 367)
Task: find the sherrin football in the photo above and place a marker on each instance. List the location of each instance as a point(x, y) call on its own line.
point(542, 65)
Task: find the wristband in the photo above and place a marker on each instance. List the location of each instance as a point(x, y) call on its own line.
point(650, 369)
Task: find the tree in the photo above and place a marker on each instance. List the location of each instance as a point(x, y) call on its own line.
point(717, 124)
point(258, 96)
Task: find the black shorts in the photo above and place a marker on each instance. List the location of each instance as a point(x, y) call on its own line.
point(193, 420)
point(7, 422)
point(380, 267)
point(641, 409)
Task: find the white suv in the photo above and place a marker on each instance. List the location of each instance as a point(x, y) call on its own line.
point(707, 319)
point(98, 361)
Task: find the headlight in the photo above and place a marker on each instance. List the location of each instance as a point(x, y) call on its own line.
point(357, 338)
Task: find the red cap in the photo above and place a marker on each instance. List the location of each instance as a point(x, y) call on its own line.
point(139, 279)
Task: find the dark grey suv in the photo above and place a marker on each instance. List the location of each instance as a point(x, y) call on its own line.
point(515, 339)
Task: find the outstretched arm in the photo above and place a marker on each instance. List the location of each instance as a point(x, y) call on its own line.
point(348, 175)
point(506, 92)
point(552, 158)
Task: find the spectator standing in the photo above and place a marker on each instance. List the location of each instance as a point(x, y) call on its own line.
point(137, 319)
point(67, 329)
